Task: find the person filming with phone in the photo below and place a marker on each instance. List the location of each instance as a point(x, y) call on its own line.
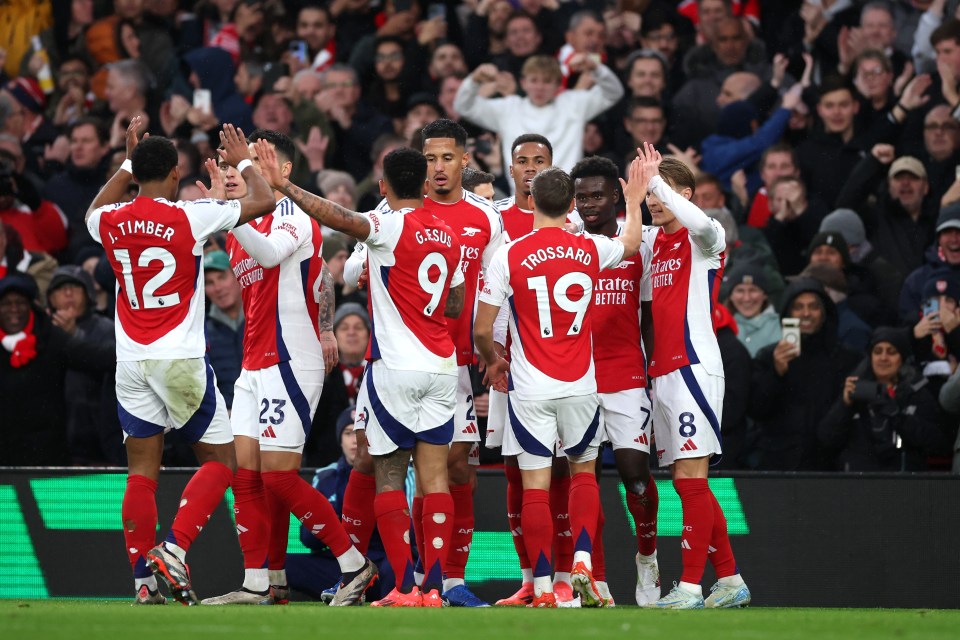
point(796, 380)
point(887, 417)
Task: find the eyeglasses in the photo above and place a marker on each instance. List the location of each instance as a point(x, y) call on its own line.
point(384, 57)
point(941, 126)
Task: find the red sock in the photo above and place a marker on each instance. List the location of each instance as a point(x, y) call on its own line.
point(278, 517)
point(310, 507)
point(597, 557)
point(560, 512)
point(359, 517)
point(393, 521)
point(643, 508)
point(437, 532)
point(200, 497)
point(697, 526)
point(459, 553)
point(418, 527)
point(139, 516)
point(538, 530)
point(514, 506)
point(250, 509)
point(721, 554)
point(584, 510)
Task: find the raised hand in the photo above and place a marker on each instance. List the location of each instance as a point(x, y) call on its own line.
point(634, 187)
point(234, 143)
point(217, 190)
point(131, 135)
point(269, 163)
point(650, 160)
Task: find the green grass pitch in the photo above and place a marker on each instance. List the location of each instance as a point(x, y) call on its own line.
point(113, 620)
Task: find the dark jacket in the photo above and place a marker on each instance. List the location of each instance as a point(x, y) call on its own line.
point(788, 409)
point(885, 433)
point(736, 397)
point(225, 350)
point(890, 229)
point(33, 423)
point(911, 296)
point(826, 161)
point(73, 189)
point(322, 447)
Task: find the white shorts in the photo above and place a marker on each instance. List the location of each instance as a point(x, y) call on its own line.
point(465, 427)
point(397, 408)
point(497, 420)
point(687, 410)
point(276, 405)
point(155, 396)
point(626, 419)
point(536, 425)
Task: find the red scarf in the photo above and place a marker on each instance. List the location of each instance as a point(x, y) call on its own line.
point(22, 346)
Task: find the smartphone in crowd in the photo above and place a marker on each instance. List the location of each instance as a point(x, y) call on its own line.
point(298, 49)
point(437, 10)
point(202, 100)
point(932, 305)
point(790, 329)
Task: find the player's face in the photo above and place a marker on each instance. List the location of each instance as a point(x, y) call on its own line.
point(14, 312)
point(660, 216)
point(886, 362)
point(222, 288)
point(234, 184)
point(348, 443)
point(529, 159)
point(825, 254)
point(596, 198)
point(352, 337)
point(808, 309)
point(70, 296)
point(445, 161)
point(748, 299)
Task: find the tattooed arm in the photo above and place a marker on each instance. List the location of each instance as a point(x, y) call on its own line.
point(328, 341)
point(455, 301)
point(320, 209)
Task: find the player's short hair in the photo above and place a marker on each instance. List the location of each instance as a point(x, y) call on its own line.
point(284, 145)
point(445, 128)
point(949, 30)
point(552, 191)
point(595, 166)
point(472, 178)
point(153, 159)
point(405, 170)
point(677, 174)
point(531, 137)
point(546, 66)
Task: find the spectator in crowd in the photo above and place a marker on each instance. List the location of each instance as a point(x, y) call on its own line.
point(900, 222)
point(745, 292)
point(793, 386)
point(316, 28)
point(777, 161)
point(356, 124)
point(351, 325)
point(862, 253)
point(14, 260)
point(33, 426)
point(862, 295)
point(886, 418)
point(74, 188)
point(26, 121)
point(72, 98)
point(936, 343)
point(943, 256)
point(93, 429)
point(560, 116)
point(446, 61)
point(224, 322)
point(795, 220)
point(522, 39)
point(941, 152)
point(39, 222)
point(586, 33)
point(486, 30)
point(645, 121)
point(852, 332)
point(422, 109)
point(390, 88)
point(729, 48)
point(658, 32)
point(368, 189)
point(646, 75)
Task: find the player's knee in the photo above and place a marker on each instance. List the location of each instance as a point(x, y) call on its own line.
point(636, 484)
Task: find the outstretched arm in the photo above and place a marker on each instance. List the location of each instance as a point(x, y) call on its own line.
point(701, 227)
point(320, 209)
point(643, 167)
point(118, 183)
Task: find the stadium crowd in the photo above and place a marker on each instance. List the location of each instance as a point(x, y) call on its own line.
point(845, 194)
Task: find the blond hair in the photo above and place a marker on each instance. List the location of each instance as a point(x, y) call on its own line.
point(546, 66)
point(677, 174)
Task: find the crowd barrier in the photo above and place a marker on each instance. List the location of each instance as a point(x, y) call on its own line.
point(801, 540)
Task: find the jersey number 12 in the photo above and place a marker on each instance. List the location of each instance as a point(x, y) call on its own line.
point(150, 301)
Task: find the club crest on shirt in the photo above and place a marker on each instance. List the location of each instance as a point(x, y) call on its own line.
point(469, 232)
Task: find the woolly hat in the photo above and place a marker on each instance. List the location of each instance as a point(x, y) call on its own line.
point(941, 283)
point(350, 309)
point(72, 274)
point(832, 239)
point(346, 417)
point(28, 93)
point(848, 224)
point(897, 337)
point(949, 217)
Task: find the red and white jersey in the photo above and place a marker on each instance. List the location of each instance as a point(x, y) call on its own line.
point(155, 248)
point(517, 222)
point(617, 294)
point(479, 228)
point(413, 260)
point(277, 260)
point(548, 279)
point(686, 281)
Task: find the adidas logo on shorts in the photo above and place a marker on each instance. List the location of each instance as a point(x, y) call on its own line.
point(688, 446)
